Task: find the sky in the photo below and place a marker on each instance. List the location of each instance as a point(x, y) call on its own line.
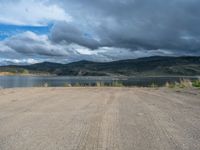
point(63, 31)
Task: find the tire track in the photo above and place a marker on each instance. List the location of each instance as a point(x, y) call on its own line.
point(99, 132)
point(170, 124)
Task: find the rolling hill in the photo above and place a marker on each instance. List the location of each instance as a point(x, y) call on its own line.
point(150, 66)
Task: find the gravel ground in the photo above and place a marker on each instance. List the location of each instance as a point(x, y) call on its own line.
point(99, 119)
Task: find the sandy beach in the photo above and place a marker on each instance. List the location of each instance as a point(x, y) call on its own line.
point(99, 119)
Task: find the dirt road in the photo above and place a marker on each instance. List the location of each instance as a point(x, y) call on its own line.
point(99, 119)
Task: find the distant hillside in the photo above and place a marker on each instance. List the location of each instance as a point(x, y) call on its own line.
point(150, 66)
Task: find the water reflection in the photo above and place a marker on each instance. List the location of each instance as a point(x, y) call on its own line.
point(55, 81)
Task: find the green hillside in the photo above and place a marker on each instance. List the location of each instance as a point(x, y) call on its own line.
point(151, 66)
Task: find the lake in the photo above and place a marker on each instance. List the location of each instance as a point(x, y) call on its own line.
point(60, 81)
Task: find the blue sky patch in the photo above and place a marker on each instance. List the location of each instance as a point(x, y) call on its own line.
point(10, 30)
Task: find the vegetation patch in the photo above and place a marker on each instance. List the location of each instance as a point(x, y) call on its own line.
point(196, 83)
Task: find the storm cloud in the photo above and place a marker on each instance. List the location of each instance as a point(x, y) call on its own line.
point(106, 30)
point(135, 24)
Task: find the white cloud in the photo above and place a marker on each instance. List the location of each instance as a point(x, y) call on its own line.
point(31, 43)
point(29, 48)
point(18, 61)
point(31, 12)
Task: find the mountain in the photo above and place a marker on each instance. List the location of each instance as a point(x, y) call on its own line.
point(150, 66)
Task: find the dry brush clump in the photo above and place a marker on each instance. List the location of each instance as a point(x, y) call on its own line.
point(184, 83)
point(46, 85)
point(117, 84)
point(67, 84)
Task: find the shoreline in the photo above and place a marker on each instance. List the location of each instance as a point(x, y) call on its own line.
point(159, 76)
point(12, 74)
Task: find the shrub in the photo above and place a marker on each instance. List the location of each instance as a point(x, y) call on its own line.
point(196, 83)
point(98, 84)
point(77, 84)
point(117, 84)
point(46, 85)
point(25, 71)
point(102, 84)
point(167, 84)
point(153, 85)
point(67, 84)
point(185, 83)
point(170, 85)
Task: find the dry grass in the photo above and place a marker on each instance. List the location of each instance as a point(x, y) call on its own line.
point(6, 73)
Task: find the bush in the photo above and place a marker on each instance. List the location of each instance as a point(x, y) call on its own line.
point(25, 71)
point(196, 83)
point(170, 85)
point(117, 84)
point(77, 84)
point(98, 84)
point(67, 84)
point(185, 83)
point(153, 85)
point(46, 85)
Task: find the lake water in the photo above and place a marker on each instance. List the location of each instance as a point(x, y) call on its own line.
point(57, 81)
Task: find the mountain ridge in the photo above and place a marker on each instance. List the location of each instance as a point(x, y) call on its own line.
point(148, 66)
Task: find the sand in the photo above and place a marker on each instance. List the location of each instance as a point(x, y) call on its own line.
point(99, 119)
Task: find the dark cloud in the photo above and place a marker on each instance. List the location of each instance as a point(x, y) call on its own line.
point(134, 24)
point(30, 43)
point(105, 30)
point(66, 32)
